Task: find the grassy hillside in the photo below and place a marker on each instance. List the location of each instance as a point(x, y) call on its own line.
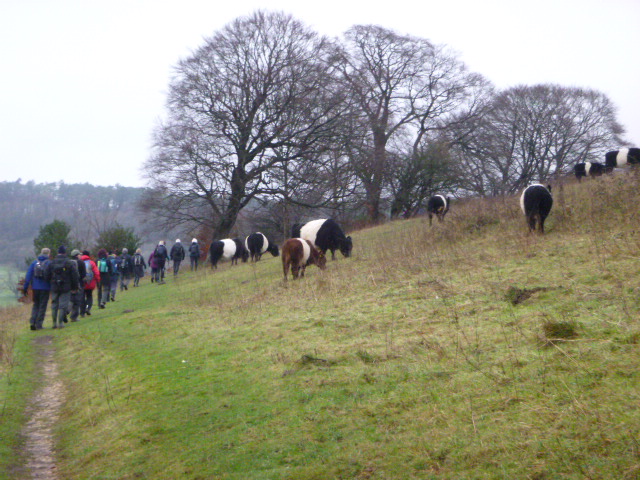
point(469, 349)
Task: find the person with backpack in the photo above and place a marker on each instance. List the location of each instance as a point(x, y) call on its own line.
point(37, 275)
point(194, 254)
point(126, 269)
point(63, 274)
point(177, 255)
point(139, 267)
point(160, 256)
point(77, 299)
point(116, 263)
point(91, 280)
point(105, 269)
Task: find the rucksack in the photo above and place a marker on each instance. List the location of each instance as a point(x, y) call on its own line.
point(194, 250)
point(161, 251)
point(58, 273)
point(124, 263)
point(88, 278)
point(114, 265)
point(103, 267)
point(137, 259)
point(40, 269)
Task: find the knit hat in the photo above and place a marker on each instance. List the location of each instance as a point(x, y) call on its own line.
point(195, 240)
point(125, 250)
point(75, 252)
point(62, 249)
point(177, 240)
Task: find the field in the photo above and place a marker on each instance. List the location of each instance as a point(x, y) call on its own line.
point(8, 277)
point(465, 350)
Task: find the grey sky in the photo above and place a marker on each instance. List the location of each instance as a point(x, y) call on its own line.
point(84, 82)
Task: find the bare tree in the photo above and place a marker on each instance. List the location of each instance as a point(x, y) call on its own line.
point(261, 87)
point(532, 132)
point(401, 85)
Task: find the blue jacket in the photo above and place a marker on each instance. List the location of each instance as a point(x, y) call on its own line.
point(36, 283)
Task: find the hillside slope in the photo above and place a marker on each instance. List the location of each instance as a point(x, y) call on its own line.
point(469, 349)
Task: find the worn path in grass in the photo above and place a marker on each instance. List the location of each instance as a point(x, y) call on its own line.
point(43, 411)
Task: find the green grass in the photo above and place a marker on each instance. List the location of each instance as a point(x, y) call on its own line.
point(409, 360)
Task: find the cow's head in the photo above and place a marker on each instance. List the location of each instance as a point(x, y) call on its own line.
point(346, 246)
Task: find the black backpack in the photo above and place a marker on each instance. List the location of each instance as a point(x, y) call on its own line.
point(137, 259)
point(40, 269)
point(59, 273)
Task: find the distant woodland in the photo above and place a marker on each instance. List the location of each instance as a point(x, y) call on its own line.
point(88, 209)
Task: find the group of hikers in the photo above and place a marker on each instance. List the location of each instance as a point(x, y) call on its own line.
point(70, 280)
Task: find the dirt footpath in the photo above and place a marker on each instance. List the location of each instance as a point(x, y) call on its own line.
point(43, 411)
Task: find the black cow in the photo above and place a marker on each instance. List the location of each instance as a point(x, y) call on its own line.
point(536, 202)
point(325, 234)
point(619, 158)
point(437, 205)
point(257, 244)
point(227, 248)
point(591, 169)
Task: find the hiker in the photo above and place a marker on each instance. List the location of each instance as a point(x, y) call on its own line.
point(63, 274)
point(139, 267)
point(160, 255)
point(194, 254)
point(153, 265)
point(177, 255)
point(105, 269)
point(115, 262)
point(91, 280)
point(77, 298)
point(126, 269)
point(37, 277)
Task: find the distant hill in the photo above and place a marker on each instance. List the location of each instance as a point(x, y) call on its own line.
point(88, 209)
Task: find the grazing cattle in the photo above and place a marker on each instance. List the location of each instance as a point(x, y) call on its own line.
point(619, 158)
point(592, 169)
point(325, 234)
point(437, 205)
point(536, 203)
point(257, 244)
point(297, 253)
point(227, 248)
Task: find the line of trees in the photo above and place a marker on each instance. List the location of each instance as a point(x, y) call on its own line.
point(269, 113)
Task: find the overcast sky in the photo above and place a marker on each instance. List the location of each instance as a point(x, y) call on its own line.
point(83, 82)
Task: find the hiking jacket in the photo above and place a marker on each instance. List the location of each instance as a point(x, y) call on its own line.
point(96, 273)
point(153, 262)
point(82, 270)
point(37, 283)
point(177, 252)
point(126, 265)
point(105, 277)
point(115, 263)
point(138, 269)
point(63, 274)
point(194, 250)
point(160, 255)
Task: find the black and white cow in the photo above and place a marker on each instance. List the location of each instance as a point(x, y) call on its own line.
point(591, 169)
point(325, 234)
point(619, 158)
point(228, 248)
point(536, 202)
point(257, 244)
point(437, 205)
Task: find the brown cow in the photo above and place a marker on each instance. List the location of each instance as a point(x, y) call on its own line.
point(297, 254)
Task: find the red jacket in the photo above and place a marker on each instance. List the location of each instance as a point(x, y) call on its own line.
point(96, 273)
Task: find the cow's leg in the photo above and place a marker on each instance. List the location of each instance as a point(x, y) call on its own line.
point(285, 269)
